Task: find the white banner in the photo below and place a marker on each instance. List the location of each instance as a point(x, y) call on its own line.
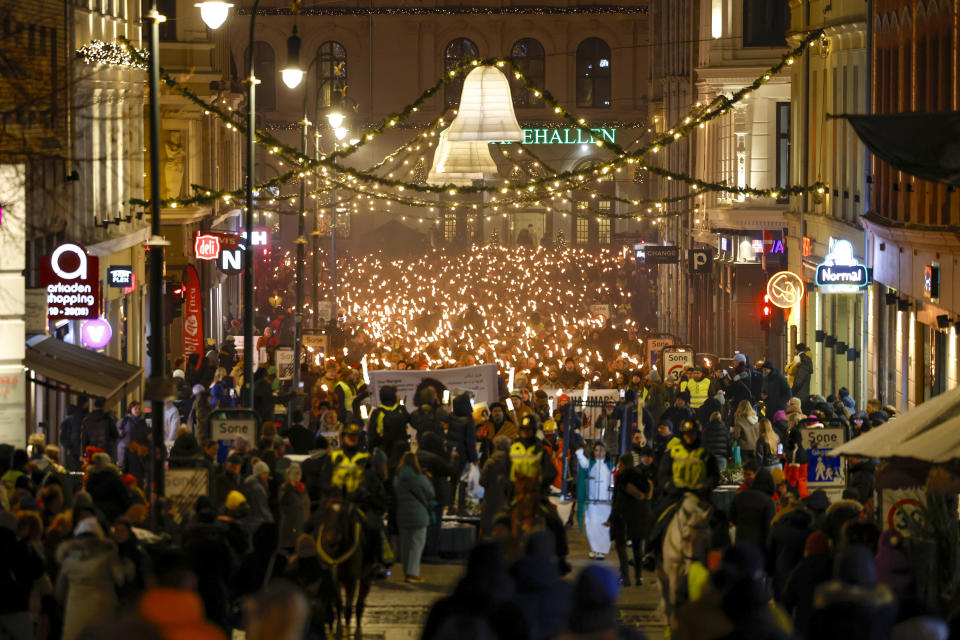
point(481, 380)
point(595, 400)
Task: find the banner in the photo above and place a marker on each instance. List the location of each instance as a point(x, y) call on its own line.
point(192, 314)
point(589, 414)
point(480, 380)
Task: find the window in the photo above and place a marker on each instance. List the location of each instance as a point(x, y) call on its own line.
point(331, 74)
point(765, 23)
point(603, 231)
point(457, 52)
point(583, 230)
point(168, 28)
point(450, 228)
point(528, 54)
point(593, 73)
point(265, 69)
point(783, 149)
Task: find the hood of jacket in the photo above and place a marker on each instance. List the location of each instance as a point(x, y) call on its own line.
point(462, 406)
point(794, 515)
point(763, 481)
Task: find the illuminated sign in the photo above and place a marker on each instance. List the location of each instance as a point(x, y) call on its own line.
point(120, 277)
point(661, 254)
point(785, 289)
point(96, 333)
point(71, 278)
point(806, 246)
point(773, 244)
point(701, 260)
point(568, 136)
point(840, 272)
point(230, 261)
point(206, 247)
point(931, 281)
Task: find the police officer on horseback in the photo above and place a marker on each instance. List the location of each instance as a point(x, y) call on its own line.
point(531, 461)
point(349, 473)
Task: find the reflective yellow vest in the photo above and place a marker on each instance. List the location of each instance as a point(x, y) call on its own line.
point(384, 410)
point(348, 395)
point(689, 467)
point(525, 461)
point(347, 471)
point(699, 391)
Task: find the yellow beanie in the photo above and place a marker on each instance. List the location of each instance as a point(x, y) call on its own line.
point(234, 500)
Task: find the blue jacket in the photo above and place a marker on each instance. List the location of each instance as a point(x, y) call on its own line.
point(414, 493)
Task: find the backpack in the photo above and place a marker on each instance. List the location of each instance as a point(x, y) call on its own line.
point(425, 420)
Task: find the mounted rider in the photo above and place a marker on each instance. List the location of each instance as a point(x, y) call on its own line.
point(349, 472)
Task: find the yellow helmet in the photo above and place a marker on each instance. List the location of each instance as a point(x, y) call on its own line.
point(549, 426)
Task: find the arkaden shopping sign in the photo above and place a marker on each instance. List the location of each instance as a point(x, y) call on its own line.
point(72, 281)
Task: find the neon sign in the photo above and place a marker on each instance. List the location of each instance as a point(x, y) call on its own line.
point(71, 278)
point(206, 247)
point(96, 333)
point(568, 136)
point(840, 272)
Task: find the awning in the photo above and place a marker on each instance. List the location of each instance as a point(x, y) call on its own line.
point(83, 370)
point(922, 144)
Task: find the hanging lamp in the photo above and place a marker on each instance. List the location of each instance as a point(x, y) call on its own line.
point(486, 109)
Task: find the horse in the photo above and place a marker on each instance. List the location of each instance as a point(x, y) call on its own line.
point(340, 542)
point(687, 538)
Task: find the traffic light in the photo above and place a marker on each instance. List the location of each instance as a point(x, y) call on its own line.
point(173, 301)
point(766, 313)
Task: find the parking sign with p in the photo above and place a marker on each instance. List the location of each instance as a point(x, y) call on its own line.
point(700, 260)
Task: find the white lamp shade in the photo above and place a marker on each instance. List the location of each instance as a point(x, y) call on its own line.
point(335, 119)
point(291, 76)
point(214, 12)
point(460, 163)
point(486, 109)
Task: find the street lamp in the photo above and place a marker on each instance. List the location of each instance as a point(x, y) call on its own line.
point(292, 74)
point(214, 12)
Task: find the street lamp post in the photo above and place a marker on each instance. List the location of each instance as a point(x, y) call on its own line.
point(214, 14)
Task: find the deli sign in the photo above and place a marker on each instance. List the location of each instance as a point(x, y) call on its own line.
point(72, 282)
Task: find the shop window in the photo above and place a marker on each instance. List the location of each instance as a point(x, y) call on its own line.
point(593, 73)
point(528, 55)
point(457, 52)
point(783, 149)
point(265, 69)
point(765, 23)
point(331, 74)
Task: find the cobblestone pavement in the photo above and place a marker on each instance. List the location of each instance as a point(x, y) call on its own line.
point(396, 610)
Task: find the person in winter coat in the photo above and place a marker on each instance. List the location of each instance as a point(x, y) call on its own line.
point(860, 477)
point(753, 510)
point(796, 457)
point(125, 430)
point(630, 516)
point(802, 370)
point(838, 514)
point(294, 507)
point(716, 439)
point(607, 428)
point(775, 391)
point(255, 489)
point(768, 444)
point(261, 565)
point(654, 396)
point(90, 572)
point(542, 594)
point(106, 488)
point(495, 480)
point(482, 604)
point(71, 431)
point(414, 493)
point(21, 567)
point(461, 437)
point(439, 468)
point(745, 429)
point(429, 416)
point(99, 429)
point(853, 604)
point(785, 543)
point(815, 568)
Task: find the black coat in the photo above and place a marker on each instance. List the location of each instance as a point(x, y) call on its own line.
point(801, 377)
point(99, 429)
point(716, 438)
point(462, 438)
point(109, 493)
point(861, 478)
point(785, 543)
point(778, 392)
point(841, 612)
point(437, 464)
point(753, 510)
point(263, 399)
point(301, 438)
point(71, 431)
point(797, 593)
point(630, 516)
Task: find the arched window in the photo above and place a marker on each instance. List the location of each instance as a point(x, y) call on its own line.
point(593, 73)
point(265, 68)
point(528, 54)
point(458, 51)
point(331, 74)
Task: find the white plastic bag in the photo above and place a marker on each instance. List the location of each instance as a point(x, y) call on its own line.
point(471, 475)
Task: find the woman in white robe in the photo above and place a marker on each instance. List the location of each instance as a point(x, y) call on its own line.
point(595, 497)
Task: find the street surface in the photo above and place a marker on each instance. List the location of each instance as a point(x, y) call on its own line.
point(396, 610)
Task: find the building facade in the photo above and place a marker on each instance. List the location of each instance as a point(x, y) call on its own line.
point(910, 223)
